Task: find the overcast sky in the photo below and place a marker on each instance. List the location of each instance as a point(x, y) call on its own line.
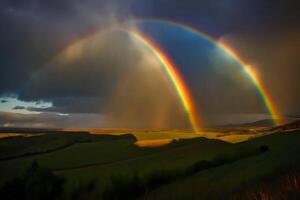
point(109, 80)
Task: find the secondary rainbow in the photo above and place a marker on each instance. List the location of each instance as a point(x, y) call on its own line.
point(265, 96)
point(263, 93)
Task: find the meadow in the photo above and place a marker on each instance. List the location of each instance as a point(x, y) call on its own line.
point(187, 166)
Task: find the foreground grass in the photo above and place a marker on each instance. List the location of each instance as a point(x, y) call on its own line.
point(32, 186)
point(83, 162)
point(218, 182)
point(138, 186)
point(285, 185)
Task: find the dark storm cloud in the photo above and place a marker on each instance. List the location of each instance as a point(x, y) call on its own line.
point(72, 105)
point(50, 120)
point(267, 34)
point(79, 83)
point(14, 119)
point(19, 108)
point(25, 44)
point(220, 17)
point(33, 31)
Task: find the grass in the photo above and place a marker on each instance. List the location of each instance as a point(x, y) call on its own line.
point(36, 183)
point(215, 183)
point(94, 160)
point(84, 149)
point(138, 186)
point(19, 146)
point(171, 157)
point(285, 185)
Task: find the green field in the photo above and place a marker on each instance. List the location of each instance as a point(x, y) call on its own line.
point(82, 158)
point(213, 183)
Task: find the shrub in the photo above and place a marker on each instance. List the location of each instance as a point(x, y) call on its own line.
point(156, 179)
point(198, 166)
point(85, 191)
point(220, 160)
point(133, 187)
point(122, 187)
point(263, 148)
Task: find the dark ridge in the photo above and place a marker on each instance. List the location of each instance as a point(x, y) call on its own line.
point(29, 130)
point(80, 137)
point(28, 154)
point(288, 126)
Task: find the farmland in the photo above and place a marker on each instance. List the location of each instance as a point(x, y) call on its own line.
point(82, 158)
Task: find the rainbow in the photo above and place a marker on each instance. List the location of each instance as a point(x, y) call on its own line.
point(265, 96)
point(168, 66)
point(174, 75)
point(262, 91)
point(177, 81)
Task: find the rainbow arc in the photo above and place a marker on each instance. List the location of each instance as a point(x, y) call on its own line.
point(175, 76)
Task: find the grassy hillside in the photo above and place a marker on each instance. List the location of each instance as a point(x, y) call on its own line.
point(83, 159)
point(102, 158)
point(284, 154)
point(19, 152)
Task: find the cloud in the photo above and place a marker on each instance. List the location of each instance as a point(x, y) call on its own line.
point(226, 16)
point(19, 108)
point(86, 77)
point(110, 73)
point(51, 120)
point(36, 30)
point(92, 72)
point(72, 105)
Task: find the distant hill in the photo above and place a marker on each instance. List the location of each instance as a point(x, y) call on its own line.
point(27, 130)
point(294, 125)
point(294, 115)
point(261, 123)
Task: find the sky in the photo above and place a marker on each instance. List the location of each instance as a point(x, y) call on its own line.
point(64, 64)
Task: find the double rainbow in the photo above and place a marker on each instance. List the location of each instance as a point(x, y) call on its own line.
point(177, 80)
